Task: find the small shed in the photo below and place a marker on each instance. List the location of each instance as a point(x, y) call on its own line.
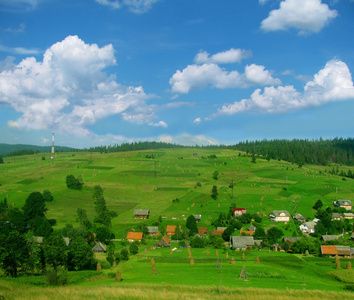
point(99, 247)
point(141, 213)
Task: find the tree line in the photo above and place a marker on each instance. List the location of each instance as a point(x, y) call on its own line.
point(298, 151)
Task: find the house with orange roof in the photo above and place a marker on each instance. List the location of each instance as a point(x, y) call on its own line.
point(134, 236)
point(333, 250)
point(202, 230)
point(171, 230)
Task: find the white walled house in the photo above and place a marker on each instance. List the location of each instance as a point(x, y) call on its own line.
point(279, 216)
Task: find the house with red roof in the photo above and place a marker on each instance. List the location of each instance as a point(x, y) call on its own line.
point(238, 211)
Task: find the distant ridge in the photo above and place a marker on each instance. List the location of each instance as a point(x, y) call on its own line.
point(6, 149)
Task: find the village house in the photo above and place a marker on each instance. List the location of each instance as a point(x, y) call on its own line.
point(134, 236)
point(241, 242)
point(328, 237)
point(347, 204)
point(333, 250)
point(348, 216)
point(238, 212)
point(279, 216)
point(218, 231)
point(291, 240)
point(171, 230)
point(99, 247)
point(198, 218)
point(153, 231)
point(336, 216)
point(164, 242)
point(141, 213)
point(299, 217)
point(202, 230)
point(308, 227)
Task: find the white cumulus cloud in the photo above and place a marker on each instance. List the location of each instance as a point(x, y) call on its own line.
point(195, 77)
point(69, 91)
point(197, 121)
point(225, 57)
point(332, 83)
point(305, 15)
point(159, 124)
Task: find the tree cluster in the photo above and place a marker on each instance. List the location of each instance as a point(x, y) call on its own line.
point(73, 183)
point(320, 152)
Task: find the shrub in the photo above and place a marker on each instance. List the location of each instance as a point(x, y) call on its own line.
point(197, 242)
point(124, 254)
point(73, 183)
point(56, 276)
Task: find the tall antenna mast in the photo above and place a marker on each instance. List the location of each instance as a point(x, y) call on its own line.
point(52, 152)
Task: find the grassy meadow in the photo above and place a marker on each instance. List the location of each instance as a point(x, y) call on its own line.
point(130, 180)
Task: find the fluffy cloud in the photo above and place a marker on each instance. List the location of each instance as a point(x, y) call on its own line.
point(197, 121)
point(332, 83)
point(68, 91)
point(199, 76)
point(225, 57)
point(136, 6)
point(304, 15)
point(159, 124)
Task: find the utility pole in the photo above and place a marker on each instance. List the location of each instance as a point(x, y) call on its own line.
point(155, 168)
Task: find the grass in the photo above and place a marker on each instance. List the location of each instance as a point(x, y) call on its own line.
point(129, 182)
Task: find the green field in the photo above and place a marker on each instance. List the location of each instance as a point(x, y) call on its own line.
point(131, 181)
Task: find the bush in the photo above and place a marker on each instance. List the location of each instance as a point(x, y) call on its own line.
point(124, 254)
point(56, 276)
point(133, 249)
point(73, 183)
point(197, 242)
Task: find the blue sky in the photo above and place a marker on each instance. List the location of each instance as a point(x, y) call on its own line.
point(100, 72)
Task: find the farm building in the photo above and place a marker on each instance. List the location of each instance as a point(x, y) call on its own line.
point(141, 213)
point(171, 230)
point(299, 217)
point(329, 250)
point(336, 216)
point(252, 228)
point(348, 216)
point(153, 230)
point(291, 240)
point(308, 227)
point(327, 237)
point(246, 232)
point(164, 242)
point(238, 212)
point(134, 236)
point(99, 247)
point(202, 230)
point(279, 216)
point(241, 242)
point(347, 204)
point(198, 218)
